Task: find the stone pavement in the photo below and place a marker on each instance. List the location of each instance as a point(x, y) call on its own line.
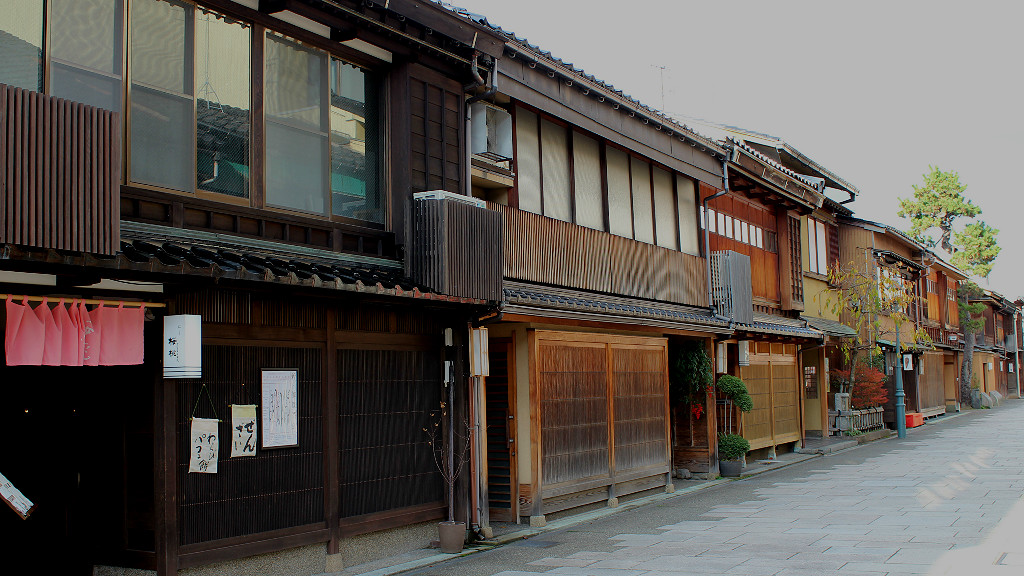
point(946, 500)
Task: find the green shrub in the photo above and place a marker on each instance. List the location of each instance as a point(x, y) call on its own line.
point(732, 446)
point(736, 390)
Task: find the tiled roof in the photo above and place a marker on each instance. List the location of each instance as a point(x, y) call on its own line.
point(543, 297)
point(771, 162)
point(522, 46)
point(779, 328)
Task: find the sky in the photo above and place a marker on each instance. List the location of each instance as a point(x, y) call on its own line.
point(876, 91)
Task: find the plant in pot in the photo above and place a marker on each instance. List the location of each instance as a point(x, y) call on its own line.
point(731, 449)
point(450, 445)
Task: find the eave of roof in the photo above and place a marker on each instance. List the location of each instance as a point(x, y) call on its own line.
point(517, 47)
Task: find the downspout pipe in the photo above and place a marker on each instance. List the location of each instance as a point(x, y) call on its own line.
point(707, 236)
point(1016, 346)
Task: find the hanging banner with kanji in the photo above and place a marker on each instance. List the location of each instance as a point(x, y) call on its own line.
point(243, 430)
point(205, 447)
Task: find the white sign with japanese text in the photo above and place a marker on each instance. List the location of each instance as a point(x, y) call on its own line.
point(205, 446)
point(280, 421)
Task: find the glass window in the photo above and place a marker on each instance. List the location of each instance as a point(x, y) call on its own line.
point(355, 144)
point(161, 94)
point(21, 44)
point(85, 51)
point(223, 63)
point(297, 139)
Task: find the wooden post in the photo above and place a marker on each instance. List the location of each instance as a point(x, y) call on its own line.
point(711, 409)
point(165, 491)
point(537, 510)
point(332, 468)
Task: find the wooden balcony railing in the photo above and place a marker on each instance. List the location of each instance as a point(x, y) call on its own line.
point(549, 251)
point(60, 164)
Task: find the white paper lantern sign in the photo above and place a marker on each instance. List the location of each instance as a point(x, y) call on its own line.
point(183, 346)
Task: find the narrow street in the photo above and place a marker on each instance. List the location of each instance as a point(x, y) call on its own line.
point(946, 500)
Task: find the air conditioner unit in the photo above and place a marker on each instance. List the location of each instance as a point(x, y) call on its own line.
point(452, 196)
point(491, 132)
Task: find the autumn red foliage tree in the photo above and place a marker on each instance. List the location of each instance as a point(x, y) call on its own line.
point(868, 388)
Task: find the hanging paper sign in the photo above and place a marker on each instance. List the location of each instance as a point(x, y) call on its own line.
point(243, 430)
point(15, 499)
point(280, 422)
point(908, 362)
point(183, 346)
point(205, 447)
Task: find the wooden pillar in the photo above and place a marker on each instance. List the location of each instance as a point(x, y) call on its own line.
point(536, 489)
point(711, 409)
point(823, 388)
point(330, 407)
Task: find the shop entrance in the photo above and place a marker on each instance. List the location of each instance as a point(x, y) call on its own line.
point(78, 443)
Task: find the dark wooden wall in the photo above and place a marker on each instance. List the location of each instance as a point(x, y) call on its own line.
point(437, 141)
point(370, 381)
point(60, 164)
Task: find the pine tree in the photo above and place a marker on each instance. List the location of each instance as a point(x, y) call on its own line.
point(971, 326)
point(937, 204)
point(976, 249)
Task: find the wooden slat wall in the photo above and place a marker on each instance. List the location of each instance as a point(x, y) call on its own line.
point(574, 412)
point(436, 158)
point(931, 388)
point(387, 399)
point(541, 249)
point(60, 167)
point(276, 489)
point(757, 424)
point(764, 264)
point(774, 384)
point(638, 384)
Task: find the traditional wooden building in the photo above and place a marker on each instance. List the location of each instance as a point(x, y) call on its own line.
point(252, 163)
point(604, 267)
point(880, 250)
point(755, 233)
point(939, 315)
point(995, 366)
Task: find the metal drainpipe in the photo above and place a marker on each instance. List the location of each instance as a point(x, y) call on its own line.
point(707, 236)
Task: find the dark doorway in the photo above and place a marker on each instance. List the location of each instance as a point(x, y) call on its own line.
point(78, 442)
point(502, 483)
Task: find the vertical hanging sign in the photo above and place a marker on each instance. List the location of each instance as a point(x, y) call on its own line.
point(205, 446)
point(280, 421)
point(183, 346)
point(243, 430)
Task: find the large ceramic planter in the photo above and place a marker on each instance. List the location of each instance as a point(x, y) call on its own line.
point(452, 536)
point(730, 468)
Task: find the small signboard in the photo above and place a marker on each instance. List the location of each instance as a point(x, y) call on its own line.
point(243, 430)
point(280, 414)
point(183, 346)
point(15, 499)
point(205, 446)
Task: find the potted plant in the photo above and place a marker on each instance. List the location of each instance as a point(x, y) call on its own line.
point(735, 392)
point(450, 447)
point(731, 449)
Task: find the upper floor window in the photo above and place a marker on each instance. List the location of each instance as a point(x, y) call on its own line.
point(817, 246)
point(185, 87)
point(565, 174)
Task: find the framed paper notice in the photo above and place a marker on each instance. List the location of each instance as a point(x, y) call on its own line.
point(280, 408)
